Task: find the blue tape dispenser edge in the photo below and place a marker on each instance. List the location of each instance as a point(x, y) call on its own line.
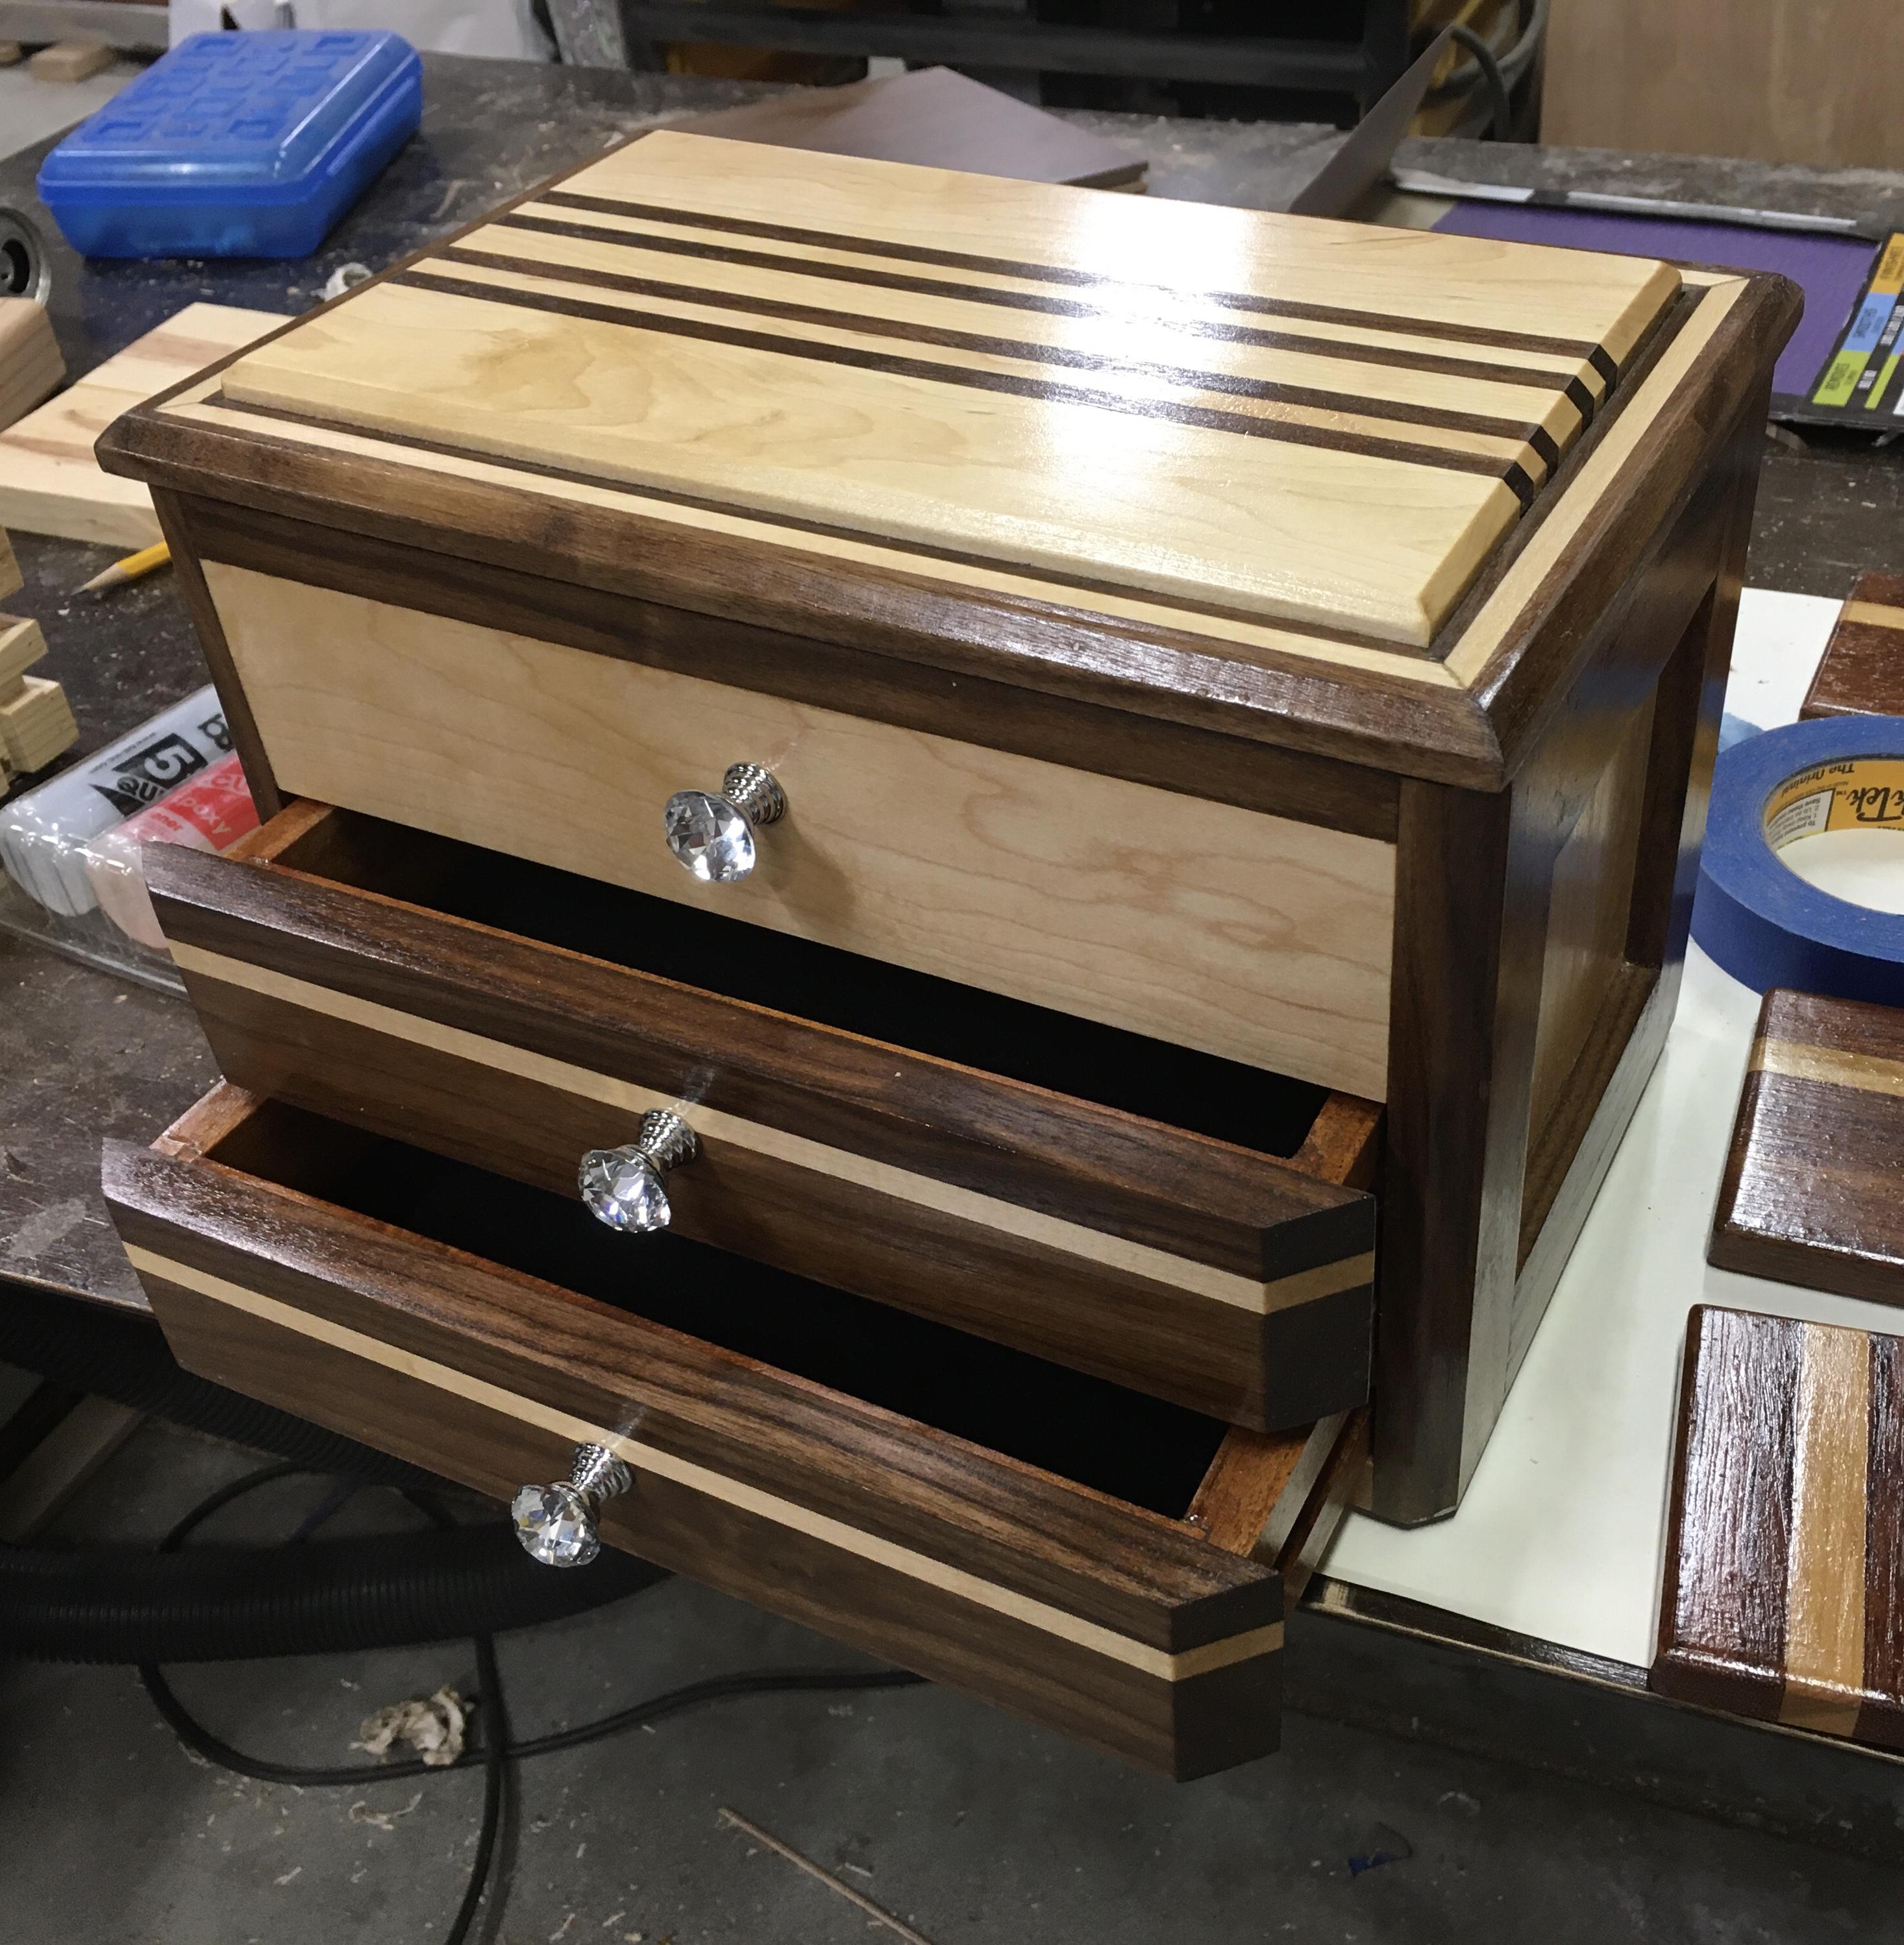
point(1760, 921)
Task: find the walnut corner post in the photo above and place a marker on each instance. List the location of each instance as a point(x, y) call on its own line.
point(1540, 936)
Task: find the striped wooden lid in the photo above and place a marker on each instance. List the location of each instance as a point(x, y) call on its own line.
point(1140, 406)
point(1784, 1589)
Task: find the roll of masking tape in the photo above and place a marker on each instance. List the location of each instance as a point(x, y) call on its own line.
point(1763, 923)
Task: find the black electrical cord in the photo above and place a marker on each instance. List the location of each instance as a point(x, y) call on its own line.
point(1501, 111)
point(495, 1749)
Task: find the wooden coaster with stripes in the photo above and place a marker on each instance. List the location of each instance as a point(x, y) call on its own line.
point(1862, 673)
point(1811, 1188)
point(1784, 1591)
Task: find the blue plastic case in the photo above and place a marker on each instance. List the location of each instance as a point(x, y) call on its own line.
point(236, 145)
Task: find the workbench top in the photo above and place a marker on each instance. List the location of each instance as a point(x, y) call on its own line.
point(89, 1055)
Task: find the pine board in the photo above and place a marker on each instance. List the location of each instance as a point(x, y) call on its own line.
point(50, 483)
point(31, 367)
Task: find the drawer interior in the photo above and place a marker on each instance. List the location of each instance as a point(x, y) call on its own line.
point(1226, 1100)
point(1141, 1450)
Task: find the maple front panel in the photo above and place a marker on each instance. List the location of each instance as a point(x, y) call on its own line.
point(1256, 937)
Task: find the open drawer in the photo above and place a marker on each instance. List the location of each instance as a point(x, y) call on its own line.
point(1109, 1564)
point(1157, 1217)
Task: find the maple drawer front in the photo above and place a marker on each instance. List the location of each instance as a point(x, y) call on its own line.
point(1072, 1586)
point(1259, 938)
point(1228, 1280)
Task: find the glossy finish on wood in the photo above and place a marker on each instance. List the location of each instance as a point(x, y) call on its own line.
point(1811, 1188)
point(1116, 1621)
point(1257, 939)
point(1179, 1264)
point(1783, 1598)
point(1328, 691)
point(1862, 673)
point(655, 321)
point(1536, 759)
point(1496, 1143)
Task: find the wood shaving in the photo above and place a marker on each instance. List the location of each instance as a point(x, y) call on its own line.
point(435, 1729)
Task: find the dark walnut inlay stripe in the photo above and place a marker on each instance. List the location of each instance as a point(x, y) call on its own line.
point(1267, 391)
point(1205, 418)
point(1061, 585)
point(1057, 273)
point(1526, 377)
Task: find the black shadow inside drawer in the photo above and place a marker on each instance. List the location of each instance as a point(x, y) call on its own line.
point(1136, 1448)
point(1224, 1099)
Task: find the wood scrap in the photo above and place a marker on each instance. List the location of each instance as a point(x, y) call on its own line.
point(49, 483)
point(31, 368)
point(878, 1913)
point(35, 723)
point(935, 117)
point(71, 60)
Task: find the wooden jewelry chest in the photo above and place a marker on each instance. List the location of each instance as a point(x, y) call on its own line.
point(1189, 732)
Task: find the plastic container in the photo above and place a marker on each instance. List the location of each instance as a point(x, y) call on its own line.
point(210, 812)
point(236, 145)
point(43, 834)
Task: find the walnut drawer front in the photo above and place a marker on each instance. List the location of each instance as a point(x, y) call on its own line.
point(1232, 1282)
point(1143, 1625)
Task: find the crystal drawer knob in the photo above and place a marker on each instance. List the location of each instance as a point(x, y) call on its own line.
point(624, 1187)
point(556, 1523)
point(716, 836)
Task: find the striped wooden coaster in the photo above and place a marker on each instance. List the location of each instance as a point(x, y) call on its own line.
point(1810, 1193)
point(1862, 673)
point(1783, 1597)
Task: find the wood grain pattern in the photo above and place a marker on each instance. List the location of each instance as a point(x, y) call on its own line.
point(1780, 1598)
point(50, 481)
point(1160, 1259)
point(1143, 469)
point(1255, 938)
point(1809, 1194)
point(12, 580)
point(1617, 78)
point(969, 709)
point(31, 366)
point(188, 575)
point(1862, 673)
point(1327, 692)
point(1108, 1622)
point(1245, 263)
point(1063, 479)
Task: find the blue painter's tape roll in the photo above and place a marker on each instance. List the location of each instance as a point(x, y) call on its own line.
point(1759, 920)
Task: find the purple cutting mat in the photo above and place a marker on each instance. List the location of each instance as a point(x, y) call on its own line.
point(1831, 270)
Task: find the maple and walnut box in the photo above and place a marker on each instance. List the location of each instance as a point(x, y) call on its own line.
point(1217, 685)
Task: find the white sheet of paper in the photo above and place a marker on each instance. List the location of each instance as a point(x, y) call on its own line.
point(1562, 1533)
